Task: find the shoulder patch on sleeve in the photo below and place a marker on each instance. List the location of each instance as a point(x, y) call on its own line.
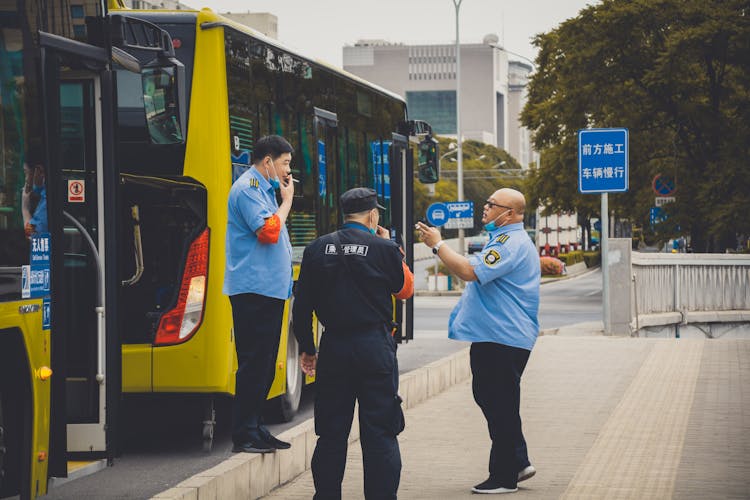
point(492, 258)
point(253, 182)
point(502, 238)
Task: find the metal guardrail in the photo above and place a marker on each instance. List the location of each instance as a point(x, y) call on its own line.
point(690, 288)
point(691, 282)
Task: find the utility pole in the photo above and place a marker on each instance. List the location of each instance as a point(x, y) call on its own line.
point(459, 138)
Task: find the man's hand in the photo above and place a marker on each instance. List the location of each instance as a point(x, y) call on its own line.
point(383, 233)
point(287, 189)
point(308, 362)
point(429, 235)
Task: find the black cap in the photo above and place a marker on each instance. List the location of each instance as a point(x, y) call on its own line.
point(359, 200)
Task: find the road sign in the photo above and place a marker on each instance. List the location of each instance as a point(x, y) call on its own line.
point(460, 215)
point(437, 214)
point(663, 186)
point(655, 216)
point(603, 160)
point(663, 200)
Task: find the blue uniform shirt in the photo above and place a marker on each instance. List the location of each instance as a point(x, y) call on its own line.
point(251, 266)
point(502, 305)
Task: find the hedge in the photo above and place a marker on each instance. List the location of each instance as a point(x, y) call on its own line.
point(571, 258)
point(592, 259)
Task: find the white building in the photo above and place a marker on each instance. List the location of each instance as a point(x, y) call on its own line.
point(492, 87)
point(264, 22)
point(155, 4)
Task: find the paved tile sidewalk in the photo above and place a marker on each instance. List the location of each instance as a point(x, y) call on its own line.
point(604, 418)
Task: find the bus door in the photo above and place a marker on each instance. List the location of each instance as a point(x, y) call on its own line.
point(79, 122)
point(325, 123)
point(402, 220)
point(83, 244)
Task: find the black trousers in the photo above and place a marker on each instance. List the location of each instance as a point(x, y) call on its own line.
point(357, 366)
point(496, 371)
point(257, 329)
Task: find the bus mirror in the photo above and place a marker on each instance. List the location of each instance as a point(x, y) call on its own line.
point(127, 61)
point(164, 100)
point(428, 161)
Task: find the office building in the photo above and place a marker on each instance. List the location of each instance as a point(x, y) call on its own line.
point(492, 87)
point(264, 22)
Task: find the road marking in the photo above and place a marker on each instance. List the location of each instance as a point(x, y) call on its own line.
point(638, 450)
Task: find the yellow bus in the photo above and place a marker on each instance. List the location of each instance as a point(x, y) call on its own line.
point(133, 124)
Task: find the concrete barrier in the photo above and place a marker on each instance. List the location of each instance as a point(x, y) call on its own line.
point(247, 475)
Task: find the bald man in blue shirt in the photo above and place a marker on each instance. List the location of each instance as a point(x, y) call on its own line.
point(498, 314)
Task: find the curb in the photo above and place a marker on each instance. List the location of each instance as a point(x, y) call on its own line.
point(246, 475)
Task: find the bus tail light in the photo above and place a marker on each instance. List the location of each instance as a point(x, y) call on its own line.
point(180, 323)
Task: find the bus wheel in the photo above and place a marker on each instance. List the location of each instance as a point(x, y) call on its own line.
point(209, 423)
point(288, 403)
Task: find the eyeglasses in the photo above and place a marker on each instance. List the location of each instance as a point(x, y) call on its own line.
point(492, 204)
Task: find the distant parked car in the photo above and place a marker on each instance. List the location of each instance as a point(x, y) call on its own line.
point(478, 243)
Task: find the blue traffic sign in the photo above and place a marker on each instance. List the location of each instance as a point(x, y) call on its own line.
point(437, 214)
point(460, 214)
point(603, 160)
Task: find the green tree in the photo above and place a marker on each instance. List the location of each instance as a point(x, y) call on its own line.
point(676, 73)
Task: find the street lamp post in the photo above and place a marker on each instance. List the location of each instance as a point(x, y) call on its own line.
point(459, 139)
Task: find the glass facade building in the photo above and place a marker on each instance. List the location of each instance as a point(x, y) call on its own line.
point(437, 107)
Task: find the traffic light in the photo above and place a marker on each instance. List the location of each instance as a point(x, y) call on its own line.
point(428, 161)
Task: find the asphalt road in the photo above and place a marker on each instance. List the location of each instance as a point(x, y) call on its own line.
point(162, 447)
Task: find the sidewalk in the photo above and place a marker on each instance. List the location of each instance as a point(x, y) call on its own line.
point(604, 417)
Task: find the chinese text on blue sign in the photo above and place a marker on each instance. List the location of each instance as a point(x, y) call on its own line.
point(603, 160)
point(460, 215)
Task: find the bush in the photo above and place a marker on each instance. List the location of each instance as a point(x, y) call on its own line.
point(550, 266)
point(592, 258)
point(571, 258)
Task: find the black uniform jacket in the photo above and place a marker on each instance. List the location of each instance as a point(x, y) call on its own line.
point(348, 285)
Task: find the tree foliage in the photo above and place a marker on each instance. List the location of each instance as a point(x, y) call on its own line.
point(482, 177)
point(676, 73)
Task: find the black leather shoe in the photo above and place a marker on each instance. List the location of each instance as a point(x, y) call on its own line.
point(273, 441)
point(253, 447)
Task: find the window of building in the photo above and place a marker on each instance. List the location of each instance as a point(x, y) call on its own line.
point(77, 12)
point(437, 107)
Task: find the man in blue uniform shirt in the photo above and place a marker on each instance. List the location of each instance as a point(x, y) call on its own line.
point(258, 280)
point(498, 314)
point(349, 278)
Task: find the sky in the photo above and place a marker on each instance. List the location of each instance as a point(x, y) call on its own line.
point(321, 28)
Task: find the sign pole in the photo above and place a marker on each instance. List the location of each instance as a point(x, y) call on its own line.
point(603, 169)
point(604, 237)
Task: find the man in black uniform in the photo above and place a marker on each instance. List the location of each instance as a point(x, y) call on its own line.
point(348, 278)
